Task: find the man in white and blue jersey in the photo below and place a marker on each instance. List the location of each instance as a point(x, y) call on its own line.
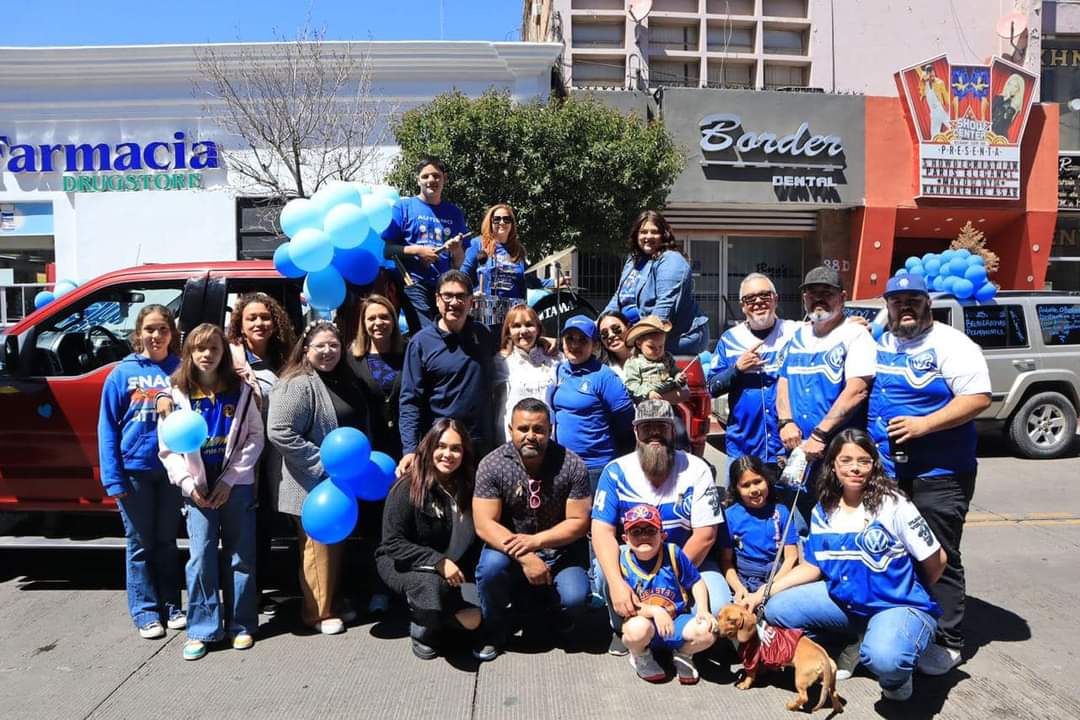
point(931, 383)
point(676, 483)
point(746, 366)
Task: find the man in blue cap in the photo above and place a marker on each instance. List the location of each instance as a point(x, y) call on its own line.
point(931, 383)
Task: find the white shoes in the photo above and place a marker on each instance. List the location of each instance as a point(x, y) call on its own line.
point(177, 622)
point(938, 660)
point(152, 631)
point(330, 626)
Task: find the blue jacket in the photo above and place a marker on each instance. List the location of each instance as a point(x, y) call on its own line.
point(127, 423)
point(663, 286)
point(503, 277)
point(448, 375)
point(594, 416)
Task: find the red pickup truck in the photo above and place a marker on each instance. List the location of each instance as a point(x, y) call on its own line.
point(53, 365)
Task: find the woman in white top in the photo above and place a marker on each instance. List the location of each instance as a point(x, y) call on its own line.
point(525, 367)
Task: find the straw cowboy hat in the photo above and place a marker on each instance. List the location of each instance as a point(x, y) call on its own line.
point(646, 326)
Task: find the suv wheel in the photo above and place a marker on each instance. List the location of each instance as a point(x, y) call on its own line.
point(1044, 426)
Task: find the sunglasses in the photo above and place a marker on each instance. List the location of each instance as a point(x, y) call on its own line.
point(503, 219)
point(642, 531)
point(612, 331)
point(756, 298)
point(534, 494)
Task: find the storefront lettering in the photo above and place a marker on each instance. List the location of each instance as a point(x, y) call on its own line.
point(103, 157)
point(130, 183)
point(723, 131)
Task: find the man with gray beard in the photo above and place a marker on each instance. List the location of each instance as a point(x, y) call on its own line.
point(680, 486)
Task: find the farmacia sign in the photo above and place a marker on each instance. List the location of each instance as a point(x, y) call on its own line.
point(123, 167)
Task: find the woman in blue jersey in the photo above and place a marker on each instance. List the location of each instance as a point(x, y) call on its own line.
point(496, 261)
point(593, 414)
point(135, 478)
point(870, 560)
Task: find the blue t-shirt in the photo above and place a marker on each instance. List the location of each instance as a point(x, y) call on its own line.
point(666, 583)
point(414, 222)
point(756, 535)
point(218, 410)
point(591, 410)
point(502, 276)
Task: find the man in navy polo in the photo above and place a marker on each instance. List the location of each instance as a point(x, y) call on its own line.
point(931, 383)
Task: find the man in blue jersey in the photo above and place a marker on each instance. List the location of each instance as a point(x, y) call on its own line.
point(746, 365)
point(931, 383)
point(424, 237)
point(680, 486)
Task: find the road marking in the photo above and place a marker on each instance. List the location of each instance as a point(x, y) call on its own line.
point(989, 519)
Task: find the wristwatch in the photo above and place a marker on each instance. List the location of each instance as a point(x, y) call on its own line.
point(782, 422)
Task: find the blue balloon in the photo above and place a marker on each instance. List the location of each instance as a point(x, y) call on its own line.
point(976, 274)
point(877, 330)
point(932, 266)
point(987, 292)
point(344, 452)
point(900, 272)
point(947, 256)
point(963, 288)
point(346, 225)
point(357, 265)
point(330, 196)
point(62, 288)
point(379, 211)
point(299, 213)
point(375, 482)
point(42, 299)
point(963, 253)
point(976, 260)
point(948, 282)
point(325, 289)
point(912, 262)
point(374, 243)
point(311, 250)
point(957, 266)
point(283, 262)
point(184, 431)
point(329, 514)
point(938, 283)
point(386, 191)
point(917, 269)
point(925, 257)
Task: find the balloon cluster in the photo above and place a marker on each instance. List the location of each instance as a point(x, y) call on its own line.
point(959, 272)
point(335, 236)
point(60, 289)
point(356, 473)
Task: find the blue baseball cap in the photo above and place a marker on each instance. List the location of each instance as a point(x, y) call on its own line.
point(583, 325)
point(906, 283)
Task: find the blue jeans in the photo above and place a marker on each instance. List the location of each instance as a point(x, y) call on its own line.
point(719, 592)
point(893, 641)
point(234, 524)
point(499, 578)
point(151, 516)
point(420, 310)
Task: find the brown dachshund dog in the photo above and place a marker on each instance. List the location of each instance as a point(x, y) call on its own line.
point(778, 648)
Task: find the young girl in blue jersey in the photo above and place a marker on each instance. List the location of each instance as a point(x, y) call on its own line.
point(870, 560)
point(756, 525)
point(218, 483)
point(132, 473)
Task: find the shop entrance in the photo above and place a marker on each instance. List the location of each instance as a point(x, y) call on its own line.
point(26, 255)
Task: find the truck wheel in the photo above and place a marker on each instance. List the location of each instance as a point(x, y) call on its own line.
point(1044, 426)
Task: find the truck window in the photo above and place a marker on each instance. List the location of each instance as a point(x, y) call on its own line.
point(996, 326)
point(97, 330)
point(1060, 323)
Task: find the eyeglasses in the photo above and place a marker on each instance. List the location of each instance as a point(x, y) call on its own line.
point(642, 531)
point(450, 298)
point(504, 219)
point(612, 331)
point(534, 494)
point(754, 299)
point(862, 462)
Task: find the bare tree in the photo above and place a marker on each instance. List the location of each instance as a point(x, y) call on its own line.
point(302, 108)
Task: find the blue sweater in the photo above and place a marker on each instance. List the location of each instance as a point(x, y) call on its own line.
point(414, 222)
point(127, 423)
point(594, 416)
point(503, 276)
point(448, 375)
point(661, 286)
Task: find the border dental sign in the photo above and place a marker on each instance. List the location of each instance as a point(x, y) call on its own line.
point(800, 165)
point(968, 121)
point(101, 167)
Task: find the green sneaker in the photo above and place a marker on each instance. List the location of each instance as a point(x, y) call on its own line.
point(194, 650)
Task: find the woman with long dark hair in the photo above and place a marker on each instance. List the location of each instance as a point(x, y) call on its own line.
point(429, 545)
point(614, 351)
point(870, 560)
point(656, 280)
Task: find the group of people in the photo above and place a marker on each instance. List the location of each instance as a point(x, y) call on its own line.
point(537, 475)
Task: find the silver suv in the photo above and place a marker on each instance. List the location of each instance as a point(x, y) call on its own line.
point(1031, 341)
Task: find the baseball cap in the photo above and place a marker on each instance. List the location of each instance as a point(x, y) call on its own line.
point(582, 324)
point(654, 411)
point(906, 283)
point(641, 515)
point(823, 275)
point(645, 326)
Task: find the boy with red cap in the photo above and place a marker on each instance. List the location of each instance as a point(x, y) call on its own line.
point(674, 610)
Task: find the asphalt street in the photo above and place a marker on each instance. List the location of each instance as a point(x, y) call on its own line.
point(68, 650)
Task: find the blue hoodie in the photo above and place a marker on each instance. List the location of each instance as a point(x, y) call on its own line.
point(127, 425)
point(593, 414)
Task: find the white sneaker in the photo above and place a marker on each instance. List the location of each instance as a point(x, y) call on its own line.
point(177, 622)
point(152, 631)
point(900, 694)
point(842, 674)
point(938, 660)
point(331, 626)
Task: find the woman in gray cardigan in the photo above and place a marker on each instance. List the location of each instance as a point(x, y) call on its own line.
point(312, 397)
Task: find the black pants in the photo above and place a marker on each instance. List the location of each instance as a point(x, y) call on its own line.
point(943, 502)
point(432, 601)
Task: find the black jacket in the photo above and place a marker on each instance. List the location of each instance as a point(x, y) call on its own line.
point(418, 538)
point(382, 408)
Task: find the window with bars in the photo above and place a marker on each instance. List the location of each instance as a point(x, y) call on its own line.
point(257, 231)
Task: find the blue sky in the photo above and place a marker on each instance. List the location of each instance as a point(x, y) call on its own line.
point(122, 22)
